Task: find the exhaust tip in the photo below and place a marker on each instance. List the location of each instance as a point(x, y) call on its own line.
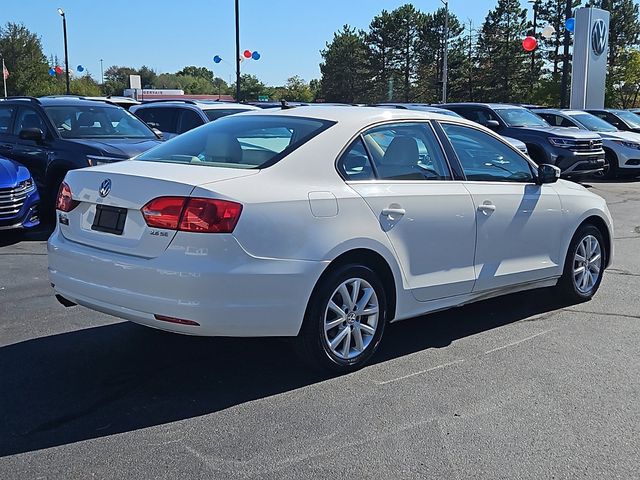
point(64, 301)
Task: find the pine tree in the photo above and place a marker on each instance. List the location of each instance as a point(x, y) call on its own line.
point(382, 40)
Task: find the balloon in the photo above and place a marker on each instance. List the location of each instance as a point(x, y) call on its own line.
point(247, 54)
point(548, 31)
point(255, 56)
point(52, 72)
point(570, 24)
point(217, 59)
point(80, 68)
point(58, 70)
point(529, 43)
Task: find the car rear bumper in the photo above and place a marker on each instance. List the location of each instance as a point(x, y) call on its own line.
point(202, 278)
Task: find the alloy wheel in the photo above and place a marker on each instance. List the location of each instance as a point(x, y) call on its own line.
point(351, 318)
point(587, 264)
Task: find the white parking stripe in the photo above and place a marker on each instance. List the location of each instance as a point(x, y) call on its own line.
point(437, 367)
point(518, 342)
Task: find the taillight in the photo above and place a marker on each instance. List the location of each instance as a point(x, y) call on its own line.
point(202, 215)
point(64, 202)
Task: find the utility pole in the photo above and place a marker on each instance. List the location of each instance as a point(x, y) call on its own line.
point(533, 52)
point(101, 72)
point(237, 51)
point(565, 58)
point(470, 60)
point(445, 58)
point(4, 78)
point(66, 51)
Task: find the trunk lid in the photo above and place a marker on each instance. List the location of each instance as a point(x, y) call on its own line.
point(132, 185)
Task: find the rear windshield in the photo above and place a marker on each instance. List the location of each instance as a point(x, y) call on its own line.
point(239, 141)
point(97, 122)
point(216, 113)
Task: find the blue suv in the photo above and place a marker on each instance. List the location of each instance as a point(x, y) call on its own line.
point(52, 135)
point(18, 197)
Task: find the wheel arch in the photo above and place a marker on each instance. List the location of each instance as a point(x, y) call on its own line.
point(601, 225)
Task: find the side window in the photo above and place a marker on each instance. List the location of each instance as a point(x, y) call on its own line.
point(6, 113)
point(480, 115)
point(164, 119)
point(189, 120)
point(354, 163)
point(28, 118)
point(565, 122)
point(485, 158)
point(406, 151)
point(554, 120)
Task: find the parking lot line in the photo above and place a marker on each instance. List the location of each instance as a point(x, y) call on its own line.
point(437, 367)
point(518, 342)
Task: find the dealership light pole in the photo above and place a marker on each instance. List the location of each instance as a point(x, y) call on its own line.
point(564, 82)
point(4, 78)
point(533, 52)
point(101, 72)
point(66, 52)
point(237, 51)
point(445, 57)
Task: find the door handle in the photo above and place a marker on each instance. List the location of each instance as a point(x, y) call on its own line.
point(487, 208)
point(393, 212)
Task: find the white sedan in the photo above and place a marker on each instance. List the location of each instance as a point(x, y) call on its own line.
point(324, 223)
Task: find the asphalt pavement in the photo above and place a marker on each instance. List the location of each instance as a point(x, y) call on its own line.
point(514, 387)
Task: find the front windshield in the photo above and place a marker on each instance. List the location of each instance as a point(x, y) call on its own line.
point(238, 141)
point(593, 123)
point(631, 118)
point(99, 121)
point(520, 117)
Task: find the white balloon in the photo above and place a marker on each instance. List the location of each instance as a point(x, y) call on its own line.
point(548, 31)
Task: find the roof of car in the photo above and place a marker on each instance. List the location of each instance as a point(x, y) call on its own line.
point(495, 106)
point(201, 104)
point(60, 100)
point(565, 111)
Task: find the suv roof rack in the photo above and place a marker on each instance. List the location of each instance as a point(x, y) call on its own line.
point(24, 97)
point(160, 100)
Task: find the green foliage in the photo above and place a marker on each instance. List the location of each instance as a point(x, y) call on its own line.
point(23, 57)
point(345, 68)
point(250, 88)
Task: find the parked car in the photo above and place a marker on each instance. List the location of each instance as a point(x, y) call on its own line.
point(622, 149)
point(173, 117)
point(52, 135)
point(124, 102)
point(574, 152)
point(443, 111)
point(18, 196)
point(621, 119)
point(322, 223)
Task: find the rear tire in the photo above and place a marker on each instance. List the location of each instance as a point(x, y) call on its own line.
point(584, 265)
point(610, 171)
point(345, 319)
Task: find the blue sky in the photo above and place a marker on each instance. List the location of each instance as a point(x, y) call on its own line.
point(167, 35)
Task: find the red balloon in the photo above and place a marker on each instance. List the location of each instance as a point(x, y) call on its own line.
point(529, 43)
point(58, 70)
point(247, 54)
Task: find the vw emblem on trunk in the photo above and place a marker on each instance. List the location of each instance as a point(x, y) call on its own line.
point(599, 37)
point(105, 188)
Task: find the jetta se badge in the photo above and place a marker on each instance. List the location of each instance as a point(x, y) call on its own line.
point(105, 188)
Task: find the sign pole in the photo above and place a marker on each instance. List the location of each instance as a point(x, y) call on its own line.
point(4, 78)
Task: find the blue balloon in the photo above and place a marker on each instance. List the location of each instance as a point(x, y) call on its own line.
point(217, 59)
point(255, 56)
point(80, 68)
point(52, 72)
point(570, 24)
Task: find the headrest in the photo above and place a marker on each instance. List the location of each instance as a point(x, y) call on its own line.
point(403, 150)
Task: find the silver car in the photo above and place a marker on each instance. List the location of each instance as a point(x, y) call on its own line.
point(622, 149)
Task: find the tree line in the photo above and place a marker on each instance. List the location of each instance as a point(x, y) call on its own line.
point(399, 57)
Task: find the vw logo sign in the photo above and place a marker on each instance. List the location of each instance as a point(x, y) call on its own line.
point(599, 37)
point(105, 188)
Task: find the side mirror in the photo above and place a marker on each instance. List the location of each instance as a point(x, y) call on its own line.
point(34, 134)
point(492, 124)
point(548, 173)
point(158, 133)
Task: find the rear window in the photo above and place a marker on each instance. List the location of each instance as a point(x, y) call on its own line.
point(239, 141)
point(214, 114)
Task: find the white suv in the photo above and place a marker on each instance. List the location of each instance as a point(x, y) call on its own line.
point(173, 117)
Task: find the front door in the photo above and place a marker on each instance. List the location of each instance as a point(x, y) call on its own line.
point(428, 217)
point(33, 155)
point(519, 222)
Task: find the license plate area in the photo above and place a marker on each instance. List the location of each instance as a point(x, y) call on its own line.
point(109, 219)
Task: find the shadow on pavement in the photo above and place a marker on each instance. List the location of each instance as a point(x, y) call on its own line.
point(38, 234)
point(117, 378)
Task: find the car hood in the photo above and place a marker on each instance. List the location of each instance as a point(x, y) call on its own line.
point(118, 147)
point(562, 132)
point(11, 173)
point(628, 136)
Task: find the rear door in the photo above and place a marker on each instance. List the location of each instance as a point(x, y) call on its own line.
point(401, 172)
point(519, 223)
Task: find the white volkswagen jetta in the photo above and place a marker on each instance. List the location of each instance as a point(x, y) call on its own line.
point(324, 223)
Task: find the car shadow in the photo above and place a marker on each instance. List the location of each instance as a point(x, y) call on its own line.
point(38, 234)
point(122, 377)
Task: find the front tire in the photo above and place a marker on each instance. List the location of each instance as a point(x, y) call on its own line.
point(584, 265)
point(345, 319)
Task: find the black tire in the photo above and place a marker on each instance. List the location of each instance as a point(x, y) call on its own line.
point(567, 288)
point(610, 171)
point(313, 342)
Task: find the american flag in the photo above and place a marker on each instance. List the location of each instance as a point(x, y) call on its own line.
point(5, 72)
